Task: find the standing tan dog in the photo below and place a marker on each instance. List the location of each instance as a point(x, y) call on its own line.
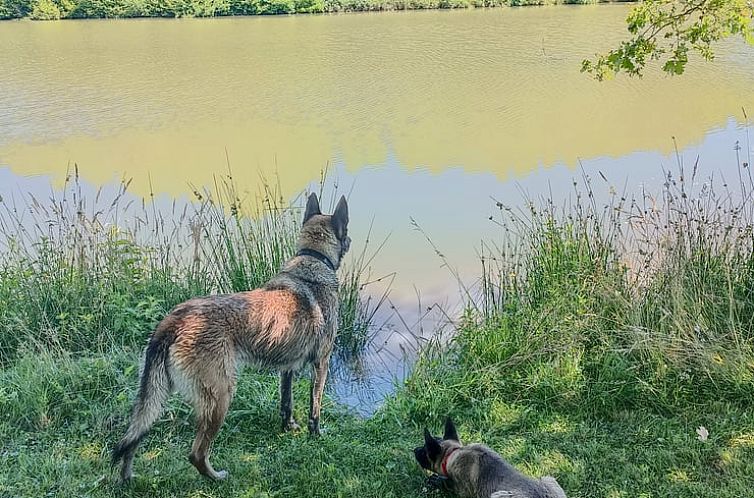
point(199, 348)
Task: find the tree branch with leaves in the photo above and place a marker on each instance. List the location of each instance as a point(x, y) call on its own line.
point(670, 30)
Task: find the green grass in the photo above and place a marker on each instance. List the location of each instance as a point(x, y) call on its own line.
point(62, 416)
point(602, 339)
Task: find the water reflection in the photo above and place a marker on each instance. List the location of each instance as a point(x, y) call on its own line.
point(495, 91)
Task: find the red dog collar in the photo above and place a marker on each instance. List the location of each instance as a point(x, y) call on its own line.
point(444, 465)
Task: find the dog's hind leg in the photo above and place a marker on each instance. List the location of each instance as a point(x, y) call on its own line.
point(286, 401)
point(211, 407)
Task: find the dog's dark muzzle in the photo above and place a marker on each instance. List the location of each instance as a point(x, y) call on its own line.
point(421, 456)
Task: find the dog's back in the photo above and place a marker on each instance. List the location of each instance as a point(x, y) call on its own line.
point(496, 478)
point(553, 488)
point(280, 326)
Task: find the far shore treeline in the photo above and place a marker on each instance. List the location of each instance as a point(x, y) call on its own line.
point(82, 9)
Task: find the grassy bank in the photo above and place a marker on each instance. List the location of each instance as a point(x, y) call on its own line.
point(604, 338)
point(86, 9)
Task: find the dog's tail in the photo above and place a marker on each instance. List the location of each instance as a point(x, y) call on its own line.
point(154, 389)
point(553, 488)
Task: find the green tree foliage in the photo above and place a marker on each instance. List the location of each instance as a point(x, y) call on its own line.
point(669, 31)
point(46, 9)
point(12, 9)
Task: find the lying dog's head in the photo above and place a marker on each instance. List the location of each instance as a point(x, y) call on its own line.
point(431, 455)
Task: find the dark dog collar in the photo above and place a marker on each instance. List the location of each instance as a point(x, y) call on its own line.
point(317, 255)
point(444, 465)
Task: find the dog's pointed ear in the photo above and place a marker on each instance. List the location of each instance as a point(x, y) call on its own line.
point(312, 207)
point(432, 446)
point(450, 430)
point(340, 218)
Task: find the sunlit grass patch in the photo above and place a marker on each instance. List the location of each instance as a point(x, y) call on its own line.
point(91, 451)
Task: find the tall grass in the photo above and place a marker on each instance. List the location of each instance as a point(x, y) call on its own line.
point(595, 308)
point(90, 274)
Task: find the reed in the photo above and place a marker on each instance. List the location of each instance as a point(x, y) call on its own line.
point(88, 274)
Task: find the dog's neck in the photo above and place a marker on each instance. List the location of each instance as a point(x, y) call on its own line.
point(444, 464)
point(318, 256)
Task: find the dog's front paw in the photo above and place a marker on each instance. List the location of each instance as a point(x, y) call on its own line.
point(291, 426)
point(436, 481)
point(125, 480)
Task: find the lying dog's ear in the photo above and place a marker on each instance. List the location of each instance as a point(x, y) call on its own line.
point(340, 218)
point(432, 446)
point(450, 431)
point(312, 207)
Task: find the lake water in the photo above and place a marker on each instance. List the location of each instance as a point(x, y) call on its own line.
point(423, 116)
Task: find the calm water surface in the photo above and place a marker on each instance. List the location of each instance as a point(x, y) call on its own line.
point(420, 115)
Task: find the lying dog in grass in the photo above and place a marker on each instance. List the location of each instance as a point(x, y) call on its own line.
point(476, 471)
